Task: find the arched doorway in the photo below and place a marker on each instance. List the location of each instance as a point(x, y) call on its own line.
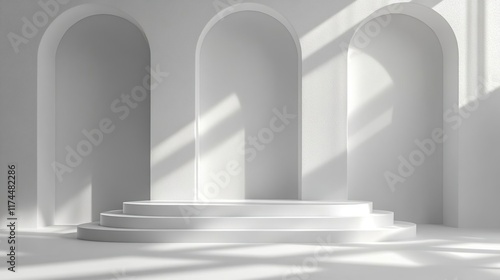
point(93, 115)
point(248, 116)
point(402, 77)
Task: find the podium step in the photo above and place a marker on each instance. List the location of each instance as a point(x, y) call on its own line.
point(118, 219)
point(95, 232)
point(248, 208)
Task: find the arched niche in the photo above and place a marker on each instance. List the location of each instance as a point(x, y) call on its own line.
point(402, 76)
point(248, 78)
point(87, 58)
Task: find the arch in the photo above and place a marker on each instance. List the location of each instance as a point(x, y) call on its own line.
point(46, 57)
point(246, 7)
point(450, 94)
point(239, 8)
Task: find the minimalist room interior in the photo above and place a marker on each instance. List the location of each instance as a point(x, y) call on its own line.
point(259, 139)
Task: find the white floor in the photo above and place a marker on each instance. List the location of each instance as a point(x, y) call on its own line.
point(438, 253)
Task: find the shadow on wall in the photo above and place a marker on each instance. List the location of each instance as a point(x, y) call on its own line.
point(173, 149)
point(102, 119)
point(481, 126)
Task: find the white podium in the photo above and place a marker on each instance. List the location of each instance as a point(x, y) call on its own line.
point(247, 221)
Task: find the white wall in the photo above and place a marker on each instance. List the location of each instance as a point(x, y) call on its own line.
point(248, 90)
point(324, 28)
point(479, 130)
point(395, 97)
point(18, 112)
point(99, 61)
